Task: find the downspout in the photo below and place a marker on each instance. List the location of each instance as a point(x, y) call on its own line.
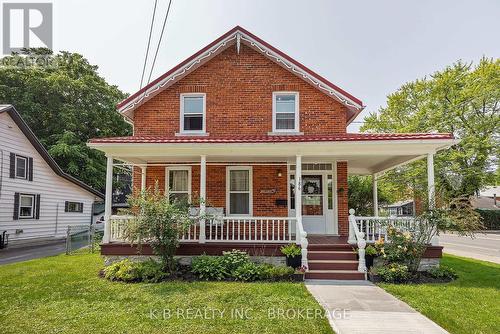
point(1, 171)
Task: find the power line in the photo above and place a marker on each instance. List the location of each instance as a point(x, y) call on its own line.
point(149, 42)
point(159, 41)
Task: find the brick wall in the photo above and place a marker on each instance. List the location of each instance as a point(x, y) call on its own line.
point(239, 99)
point(342, 189)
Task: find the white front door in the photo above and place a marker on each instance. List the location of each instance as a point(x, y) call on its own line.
point(317, 202)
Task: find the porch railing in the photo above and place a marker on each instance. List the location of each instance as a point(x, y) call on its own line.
point(227, 229)
point(371, 229)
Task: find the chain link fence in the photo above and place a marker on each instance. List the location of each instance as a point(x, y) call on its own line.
point(82, 236)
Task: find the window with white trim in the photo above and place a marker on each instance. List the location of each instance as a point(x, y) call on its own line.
point(26, 206)
point(285, 112)
point(73, 206)
point(21, 167)
point(239, 190)
point(179, 183)
point(193, 107)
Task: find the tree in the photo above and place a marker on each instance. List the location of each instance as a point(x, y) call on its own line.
point(360, 195)
point(65, 104)
point(462, 99)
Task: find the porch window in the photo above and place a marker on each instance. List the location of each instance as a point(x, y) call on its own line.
point(26, 206)
point(193, 113)
point(179, 184)
point(285, 112)
point(239, 190)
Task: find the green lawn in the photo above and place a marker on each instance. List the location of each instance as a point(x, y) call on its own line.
point(468, 305)
point(63, 294)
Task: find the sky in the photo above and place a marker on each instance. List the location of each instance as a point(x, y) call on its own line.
point(368, 48)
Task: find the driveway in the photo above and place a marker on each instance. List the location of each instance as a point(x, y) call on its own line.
point(11, 255)
point(485, 246)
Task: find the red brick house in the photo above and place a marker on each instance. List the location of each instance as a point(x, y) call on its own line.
point(243, 126)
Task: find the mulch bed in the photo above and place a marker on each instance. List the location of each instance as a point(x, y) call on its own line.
point(422, 277)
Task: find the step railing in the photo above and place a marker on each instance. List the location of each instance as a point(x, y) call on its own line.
point(357, 237)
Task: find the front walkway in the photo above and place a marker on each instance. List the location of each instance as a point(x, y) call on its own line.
point(362, 307)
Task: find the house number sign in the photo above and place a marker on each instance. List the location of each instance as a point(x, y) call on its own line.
point(268, 191)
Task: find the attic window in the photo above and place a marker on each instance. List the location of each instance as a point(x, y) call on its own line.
point(285, 112)
point(193, 113)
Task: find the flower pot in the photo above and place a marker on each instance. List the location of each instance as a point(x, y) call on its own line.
point(369, 261)
point(294, 262)
point(298, 277)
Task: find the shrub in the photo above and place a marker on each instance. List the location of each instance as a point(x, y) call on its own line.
point(291, 250)
point(128, 271)
point(209, 267)
point(280, 272)
point(234, 259)
point(248, 272)
point(490, 218)
point(443, 273)
point(394, 273)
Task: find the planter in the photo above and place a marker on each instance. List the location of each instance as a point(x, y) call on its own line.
point(374, 278)
point(369, 261)
point(294, 262)
point(298, 277)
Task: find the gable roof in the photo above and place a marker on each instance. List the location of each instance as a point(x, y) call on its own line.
point(236, 36)
point(28, 133)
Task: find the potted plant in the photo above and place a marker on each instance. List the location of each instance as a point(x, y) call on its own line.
point(299, 274)
point(370, 254)
point(293, 255)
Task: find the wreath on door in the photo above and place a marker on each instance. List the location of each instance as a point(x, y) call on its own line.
point(311, 188)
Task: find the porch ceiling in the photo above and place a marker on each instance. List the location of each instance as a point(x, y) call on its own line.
point(364, 157)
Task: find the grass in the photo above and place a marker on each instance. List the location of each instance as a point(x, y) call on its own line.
point(471, 304)
point(63, 294)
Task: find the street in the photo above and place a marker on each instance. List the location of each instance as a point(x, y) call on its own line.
point(485, 246)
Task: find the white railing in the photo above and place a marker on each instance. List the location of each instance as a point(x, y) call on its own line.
point(230, 229)
point(375, 228)
point(301, 239)
point(250, 229)
point(357, 237)
point(118, 226)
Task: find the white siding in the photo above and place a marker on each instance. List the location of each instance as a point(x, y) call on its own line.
point(53, 189)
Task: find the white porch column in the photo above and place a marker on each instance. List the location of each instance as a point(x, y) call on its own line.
point(143, 178)
point(430, 180)
point(375, 194)
point(203, 196)
point(298, 194)
point(108, 200)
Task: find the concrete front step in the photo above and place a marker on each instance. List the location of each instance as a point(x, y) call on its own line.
point(333, 265)
point(335, 274)
point(331, 255)
point(332, 247)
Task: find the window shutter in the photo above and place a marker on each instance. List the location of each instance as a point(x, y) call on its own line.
point(12, 166)
point(37, 207)
point(81, 207)
point(16, 206)
point(66, 206)
point(30, 169)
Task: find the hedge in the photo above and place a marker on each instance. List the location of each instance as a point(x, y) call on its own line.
point(491, 218)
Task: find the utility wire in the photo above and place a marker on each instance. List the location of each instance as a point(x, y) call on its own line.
point(159, 41)
point(149, 42)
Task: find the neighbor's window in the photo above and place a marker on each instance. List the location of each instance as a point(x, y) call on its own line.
point(179, 184)
point(193, 113)
point(285, 112)
point(74, 206)
point(239, 190)
point(26, 206)
point(21, 167)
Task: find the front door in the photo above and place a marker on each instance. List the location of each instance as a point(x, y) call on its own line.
point(316, 193)
point(313, 209)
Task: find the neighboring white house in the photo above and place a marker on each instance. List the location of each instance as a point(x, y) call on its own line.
point(38, 201)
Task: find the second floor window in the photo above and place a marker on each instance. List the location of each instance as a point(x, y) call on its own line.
point(21, 167)
point(285, 112)
point(193, 113)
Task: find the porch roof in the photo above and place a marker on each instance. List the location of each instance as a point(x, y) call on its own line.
point(366, 153)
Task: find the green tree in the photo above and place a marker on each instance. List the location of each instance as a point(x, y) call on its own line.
point(360, 195)
point(65, 105)
point(462, 99)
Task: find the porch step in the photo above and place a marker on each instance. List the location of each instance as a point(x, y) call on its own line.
point(335, 274)
point(333, 265)
point(331, 255)
point(330, 247)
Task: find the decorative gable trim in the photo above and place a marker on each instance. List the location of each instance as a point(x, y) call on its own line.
point(239, 35)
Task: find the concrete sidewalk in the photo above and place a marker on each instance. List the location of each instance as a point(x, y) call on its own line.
point(369, 309)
